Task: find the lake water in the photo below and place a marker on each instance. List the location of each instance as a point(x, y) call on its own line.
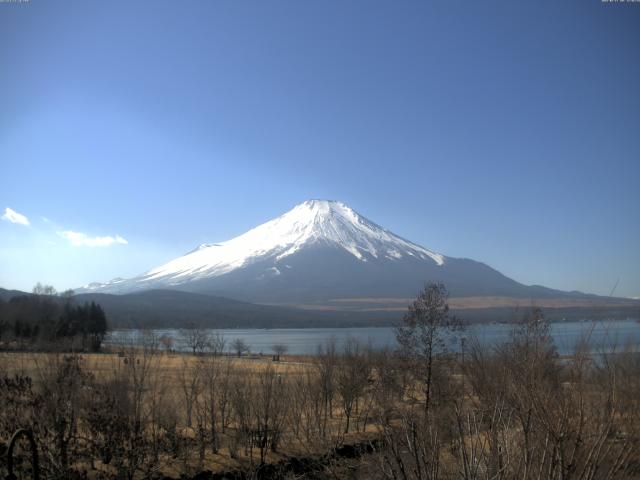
point(604, 336)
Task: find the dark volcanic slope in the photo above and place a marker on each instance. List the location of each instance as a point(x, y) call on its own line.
point(323, 272)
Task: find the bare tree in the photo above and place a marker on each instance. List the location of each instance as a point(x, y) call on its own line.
point(278, 350)
point(124, 411)
point(423, 333)
point(327, 359)
point(240, 346)
point(190, 385)
point(389, 384)
point(241, 400)
point(270, 411)
point(196, 339)
point(44, 290)
point(216, 344)
point(211, 406)
point(62, 383)
point(352, 377)
point(222, 392)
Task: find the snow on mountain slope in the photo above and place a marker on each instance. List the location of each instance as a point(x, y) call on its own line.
point(309, 223)
point(318, 252)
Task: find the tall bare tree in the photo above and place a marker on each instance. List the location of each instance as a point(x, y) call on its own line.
point(352, 377)
point(424, 331)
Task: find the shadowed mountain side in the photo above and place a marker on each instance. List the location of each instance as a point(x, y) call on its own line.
point(321, 272)
point(6, 295)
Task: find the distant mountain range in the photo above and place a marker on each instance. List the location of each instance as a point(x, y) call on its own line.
point(322, 263)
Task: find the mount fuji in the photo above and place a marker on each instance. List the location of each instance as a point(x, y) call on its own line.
point(321, 252)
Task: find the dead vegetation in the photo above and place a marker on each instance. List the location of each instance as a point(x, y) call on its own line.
point(513, 411)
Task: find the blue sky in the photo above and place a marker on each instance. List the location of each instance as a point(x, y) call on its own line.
point(507, 132)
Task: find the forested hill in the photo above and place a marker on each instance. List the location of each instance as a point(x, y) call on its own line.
point(175, 309)
point(43, 318)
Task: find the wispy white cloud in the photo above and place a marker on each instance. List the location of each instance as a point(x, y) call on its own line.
point(78, 239)
point(14, 217)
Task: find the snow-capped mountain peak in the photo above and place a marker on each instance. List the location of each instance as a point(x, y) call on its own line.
point(308, 224)
point(322, 252)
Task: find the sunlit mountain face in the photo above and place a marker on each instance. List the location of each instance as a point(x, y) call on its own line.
point(320, 251)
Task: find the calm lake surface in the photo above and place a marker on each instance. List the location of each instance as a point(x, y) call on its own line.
point(604, 336)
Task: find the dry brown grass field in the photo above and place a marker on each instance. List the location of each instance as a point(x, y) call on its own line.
point(518, 411)
point(178, 379)
point(104, 363)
